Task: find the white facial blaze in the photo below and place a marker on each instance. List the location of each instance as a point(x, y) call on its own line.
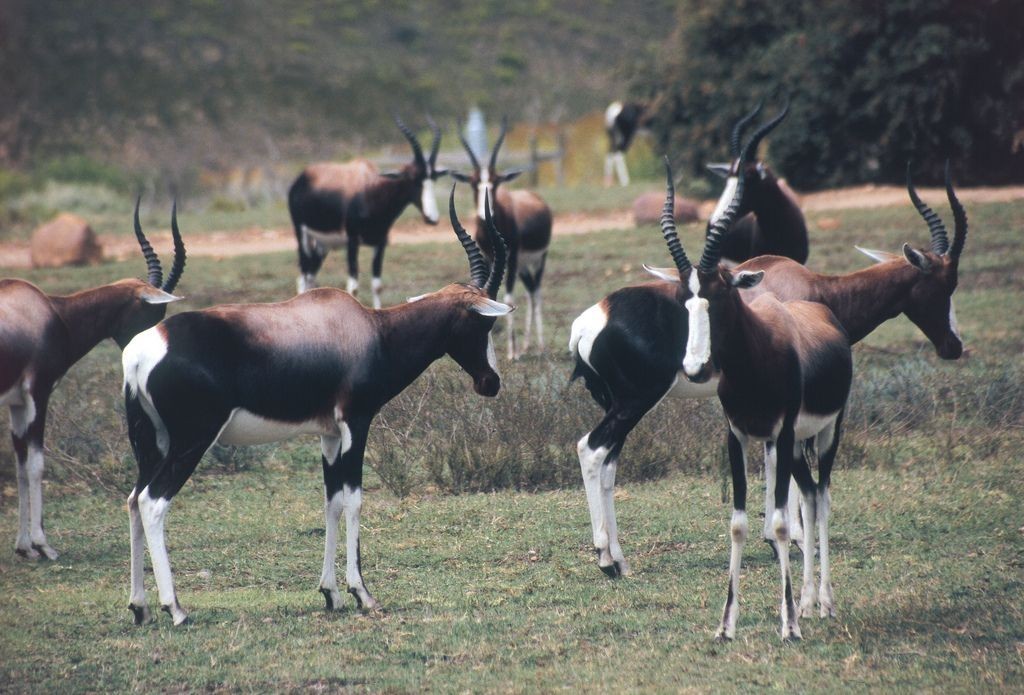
point(953, 326)
point(725, 199)
point(429, 202)
point(484, 191)
point(492, 359)
point(698, 343)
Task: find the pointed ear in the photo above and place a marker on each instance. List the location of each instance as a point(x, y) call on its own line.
point(438, 173)
point(916, 258)
point(417, 298)
point(509, 175)
point(877, 256)
point(459, 176)
point(745, 279)
point(719, 169)
point(391, 175)
point(155, 295)
point(670, 274)
point(489, 307)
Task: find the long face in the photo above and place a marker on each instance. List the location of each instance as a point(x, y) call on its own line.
point(708, 289)
point(424, 198)
point(470, 344)
point(930, 305)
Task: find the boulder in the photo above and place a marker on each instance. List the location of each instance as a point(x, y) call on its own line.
point(647, 209)
point(67, 239)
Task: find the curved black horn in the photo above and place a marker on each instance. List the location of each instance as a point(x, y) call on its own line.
point(469, 150)
point(156, 273)
point(435, 144)
point(497, 144)
point(668, 224)
point(717, 229)
point(959, 219)
point(940, 239)
point(417, 151)
point(178, 266)
point(750, 149)
point(497, 275)
point(737, 130)
point(477, 264)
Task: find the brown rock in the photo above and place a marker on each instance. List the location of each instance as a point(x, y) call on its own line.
point(828, 224)
point(647, 209)
point(65, 240)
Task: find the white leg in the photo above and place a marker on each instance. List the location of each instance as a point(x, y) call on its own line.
point(609, 163)
point(731, 610)
point(153, 512)
point(591, 461)
point(20, 421)
point(539, 319)
point(328, 580)
point(608, 507)
point(796, 525)
point(376, 284)
point(306, 282)
point(769, 491)
point(828, 608)
point(808, 593)
point(790, 618)
point(352, 286)
point(620, 168)
point(137, 599)
point(353, 504)
point(511, 325)
point(529, 320)
point(34, 468)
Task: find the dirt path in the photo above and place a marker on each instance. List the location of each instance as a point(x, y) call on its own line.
point(256, 240)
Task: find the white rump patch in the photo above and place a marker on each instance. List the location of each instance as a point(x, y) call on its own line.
point(429, 202)
point(725, 199)
point(585, 330)
point(140, 356)
point(244, 428)
point(611, 113)
point(698, 342)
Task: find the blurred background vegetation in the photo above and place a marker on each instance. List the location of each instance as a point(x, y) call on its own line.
point(204, 97)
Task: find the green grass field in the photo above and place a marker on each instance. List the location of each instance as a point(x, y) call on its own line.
point(498, 590)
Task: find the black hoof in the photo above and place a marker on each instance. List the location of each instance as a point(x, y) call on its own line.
point(612, 570)
point(328, 599)
point(355, 595)
point(722, 638)
point(775, 548)
point(138, 613)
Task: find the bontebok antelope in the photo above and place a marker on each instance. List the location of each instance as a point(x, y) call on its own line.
point(770, 221)
point(629, 347)
point(524, 220)
point(42, 335)
point(622, 120)
point(345, 205)
point(785, 373)
point(320, 364)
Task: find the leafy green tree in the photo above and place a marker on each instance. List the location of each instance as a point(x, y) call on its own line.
point(874, 83)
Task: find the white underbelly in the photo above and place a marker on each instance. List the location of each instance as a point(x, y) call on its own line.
point(329, 240)
point(244, 428)
point(684, 388)
point(531, 260)
point(808, 425)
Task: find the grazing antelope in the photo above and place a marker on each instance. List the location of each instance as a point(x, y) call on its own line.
point(319, 363)
point(629, 347)
point(334, 205)
point(622, 120)
point(42, 335)
point(524, 221)
point(770, 222)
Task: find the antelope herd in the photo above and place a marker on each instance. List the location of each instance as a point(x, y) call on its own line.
point(748, 323)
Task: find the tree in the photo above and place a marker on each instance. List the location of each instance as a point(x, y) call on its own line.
point(873, 84)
